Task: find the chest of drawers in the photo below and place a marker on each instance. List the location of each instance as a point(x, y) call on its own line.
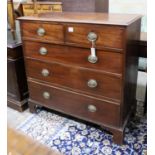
point(83, 65)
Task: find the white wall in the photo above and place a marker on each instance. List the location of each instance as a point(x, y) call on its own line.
point(130, 6)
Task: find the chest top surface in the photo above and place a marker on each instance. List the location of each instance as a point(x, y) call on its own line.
point(87, 18)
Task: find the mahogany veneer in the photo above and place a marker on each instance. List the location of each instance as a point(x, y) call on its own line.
point(64, 55)
point(17, 89)
point(62, 77)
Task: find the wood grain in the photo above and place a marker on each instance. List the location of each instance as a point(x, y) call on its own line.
point(17, 89)
point(18, 143)
point(85, 18)
point(75, 78)
point(110, 62)
point(108, 36)
point(74, 104)
point(54, 32)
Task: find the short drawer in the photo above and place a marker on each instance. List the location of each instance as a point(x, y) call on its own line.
point(84, 107)
point(28, 6)
point(46, 7)
point(43, 32)
point(80, 79)
point(107, 36)
point(107, 61)
point(29, 12)
point(57, 8)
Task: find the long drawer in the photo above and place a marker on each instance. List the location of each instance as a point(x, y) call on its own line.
point(81, 79)
point(74, 104)
point(107, 61)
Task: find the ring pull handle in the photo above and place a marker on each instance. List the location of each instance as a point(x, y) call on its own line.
point(92, 108)
point(41, 32)
point(92, 83)
point(43, 51)
point(46, 95)
point(92, 37)
point(45, 72)
point(92, 59)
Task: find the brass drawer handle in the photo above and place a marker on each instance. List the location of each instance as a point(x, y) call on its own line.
point(45, 72)
point(92, 108)
point(92, 59)
point(43, 51)
point(46, 95)
point(41, 32)
point(92, 36)
point(92, 83)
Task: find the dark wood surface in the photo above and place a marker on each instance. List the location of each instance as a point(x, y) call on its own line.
point(74, 104)
point(17, 90)
point(108, 36)
point(142, 45)
point(69, 70)
point(142, 52)
point(76, 78)
point(65, 55)
point(130, 69)
point(54, 33)
point(85, 18)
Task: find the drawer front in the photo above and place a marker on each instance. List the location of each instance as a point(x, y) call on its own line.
point(74, 104)
point(57, 8)
point(107, 61)
point(79, 79)
point(28, 6)
point(29, 13)
point(43, 32)
point(107, 36)
point(46, 7)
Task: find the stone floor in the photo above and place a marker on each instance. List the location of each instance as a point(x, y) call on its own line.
point(14, 118)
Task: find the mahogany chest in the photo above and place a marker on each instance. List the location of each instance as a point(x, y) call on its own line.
point(83, 65)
